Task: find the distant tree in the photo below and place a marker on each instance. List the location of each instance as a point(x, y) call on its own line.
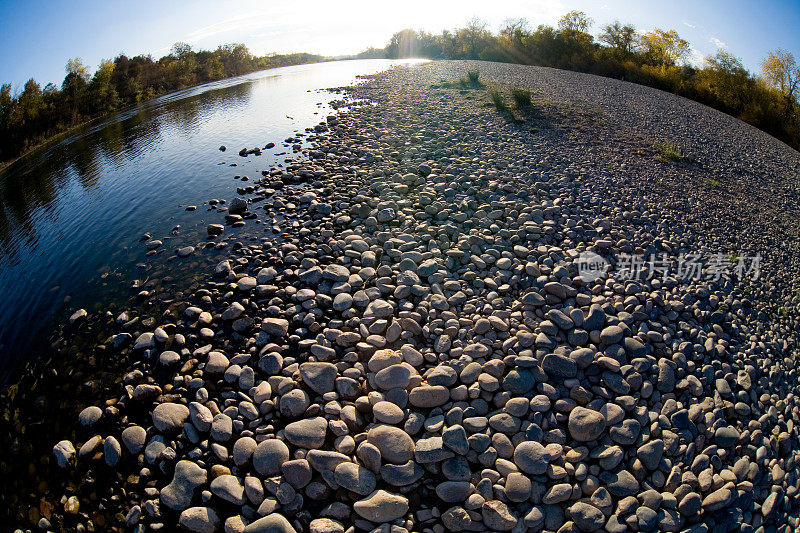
point(104, 94)
point(74, 86)
point(575, 21)
point(30, 100)
point(402, 44)
point(214, 69)
point(781, 72)
point(514, 31)
point(474, 38)
point(727, 82)
point(180, 50)
point(662, 47)
point(621, 37)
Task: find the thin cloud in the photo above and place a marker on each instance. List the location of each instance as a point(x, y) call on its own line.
point(244, 22)
point(689, 25)
point(717, 42)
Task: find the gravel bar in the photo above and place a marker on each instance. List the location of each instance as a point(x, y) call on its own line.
point(411, 344)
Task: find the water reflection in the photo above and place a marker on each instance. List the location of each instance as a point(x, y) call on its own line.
point(34, 182)
point(75, 209)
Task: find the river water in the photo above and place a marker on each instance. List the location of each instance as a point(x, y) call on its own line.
point(72, 214)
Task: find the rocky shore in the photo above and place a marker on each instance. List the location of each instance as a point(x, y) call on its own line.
point(408, 342)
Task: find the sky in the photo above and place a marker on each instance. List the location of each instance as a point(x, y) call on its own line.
point(37, 37)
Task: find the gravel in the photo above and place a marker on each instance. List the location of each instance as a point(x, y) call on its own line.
point(411, 343)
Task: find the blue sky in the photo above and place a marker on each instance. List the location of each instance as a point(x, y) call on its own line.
point(38, 37)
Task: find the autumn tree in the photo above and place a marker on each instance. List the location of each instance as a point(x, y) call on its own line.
point(74, 85)
point(664, 47)
point(781, 72)
point(621, 37)
point(473, 38)
point(104, 94)
point(513, 32)
point(575, 21)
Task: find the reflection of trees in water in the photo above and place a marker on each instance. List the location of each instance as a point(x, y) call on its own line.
point(35, 181)
point(184, 114)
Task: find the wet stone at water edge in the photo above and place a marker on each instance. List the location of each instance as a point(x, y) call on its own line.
point(401, 340)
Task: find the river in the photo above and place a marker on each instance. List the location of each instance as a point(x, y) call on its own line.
point(72, 213)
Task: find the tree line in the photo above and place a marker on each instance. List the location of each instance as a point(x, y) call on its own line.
point(658, 58)
point(37, 113)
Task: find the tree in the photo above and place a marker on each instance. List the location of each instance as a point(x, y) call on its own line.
point(621, 37)
point(180, 50)
point(727, 80)
point(473, 38)
point(104, 94)
point(781, 72)
point(514, 31)
point(664, 47)
point(30, 102)
point(575, 21)
point(74, 85)
point(402, 44)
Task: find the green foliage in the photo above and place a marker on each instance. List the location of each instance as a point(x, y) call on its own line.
point(35, 114)
point(521, 97)
point(668, 151)
point(498, 100)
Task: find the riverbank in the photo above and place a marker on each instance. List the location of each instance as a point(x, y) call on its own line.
point(408, 334)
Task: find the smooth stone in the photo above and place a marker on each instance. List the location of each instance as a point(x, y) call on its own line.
point(395, 445)
point(531, 457)
point(276, 327)
point(497, 516)
point(243, 450)
point(427, 397)
point(272, 523)
point(401, 475)
point(90, 416)
point(381, 507)
point(309, 433)
point(650, 453)
point(454, 491)
point(112, 451)
point(587, 517)
point(199, 520)
point(388, 413)
point(178, 494)
point(269, 455)
point(320, 377)
point(64, 453)
point(355, 478)
point(170, 417)
point(228, 488)
point(727, 436)
point(585, 424)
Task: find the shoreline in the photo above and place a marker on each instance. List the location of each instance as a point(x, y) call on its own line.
point(415, 339)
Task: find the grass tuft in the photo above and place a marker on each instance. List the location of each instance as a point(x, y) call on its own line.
point(473, 78)
point(668, 151)
point(498, 100)
point(521, 97)
point(471, 81)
